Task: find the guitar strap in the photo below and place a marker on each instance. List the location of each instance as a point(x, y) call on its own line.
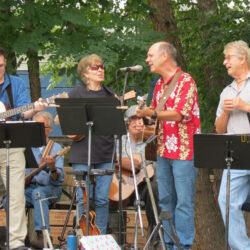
point(166, 94)
point(168, 91)
point(46, 151)
point(9, 93)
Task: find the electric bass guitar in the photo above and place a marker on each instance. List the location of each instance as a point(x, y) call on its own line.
point(5, 112)
point(43, 165)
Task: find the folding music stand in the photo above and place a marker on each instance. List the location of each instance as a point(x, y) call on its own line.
point(84, 116)
point(17, 135)
point(229, 151)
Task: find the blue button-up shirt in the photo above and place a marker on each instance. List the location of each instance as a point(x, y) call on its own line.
point(20, 94)
point(43, 177)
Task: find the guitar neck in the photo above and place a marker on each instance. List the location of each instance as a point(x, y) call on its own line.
point(35, 171)
point(43, 165)
point(16, 111)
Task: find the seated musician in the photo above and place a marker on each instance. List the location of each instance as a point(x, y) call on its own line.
point(47, 182)
point(135, 128)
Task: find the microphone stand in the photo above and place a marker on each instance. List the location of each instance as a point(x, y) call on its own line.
point(137, 201)
point(124, 86)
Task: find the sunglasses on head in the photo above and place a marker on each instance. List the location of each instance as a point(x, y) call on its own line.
point(96, 67)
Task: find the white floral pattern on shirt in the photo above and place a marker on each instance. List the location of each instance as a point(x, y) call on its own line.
point(171, 143)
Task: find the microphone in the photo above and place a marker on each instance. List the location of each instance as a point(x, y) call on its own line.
point(136, 68)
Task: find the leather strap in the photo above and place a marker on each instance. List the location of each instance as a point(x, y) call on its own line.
point(168, 90)
point(9, 93)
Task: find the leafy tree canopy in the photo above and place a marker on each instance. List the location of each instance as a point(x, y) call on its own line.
point(121, 33)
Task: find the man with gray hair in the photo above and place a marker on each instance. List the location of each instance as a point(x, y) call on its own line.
point(231, 117)
point(136, 130)
point(47, 182)
point(179, 119)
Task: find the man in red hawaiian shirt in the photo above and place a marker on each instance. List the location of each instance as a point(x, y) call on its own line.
point(178, 121)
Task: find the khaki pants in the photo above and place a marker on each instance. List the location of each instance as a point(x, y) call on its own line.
point(18, 227)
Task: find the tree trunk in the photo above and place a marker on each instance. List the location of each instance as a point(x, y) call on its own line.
point(6, 42)
point(163, 20)
point(208, 220)
point(210, 6)
point(33, 69)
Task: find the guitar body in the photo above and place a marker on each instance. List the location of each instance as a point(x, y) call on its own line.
point(93, 229)
point(127, 183)
point(151, 148)
point(76, 137)
point(3, 107)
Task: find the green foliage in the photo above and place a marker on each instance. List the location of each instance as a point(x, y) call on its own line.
point(203, 36)
point(67, 30)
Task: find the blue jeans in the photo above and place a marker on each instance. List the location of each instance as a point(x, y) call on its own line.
point(101, 194)
point(45, 191)
point(176, 186)
point(239, 189)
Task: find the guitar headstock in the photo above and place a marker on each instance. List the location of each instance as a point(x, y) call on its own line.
point(51, 100)
point(129, 95)
point(141, 100)
point(63, 151)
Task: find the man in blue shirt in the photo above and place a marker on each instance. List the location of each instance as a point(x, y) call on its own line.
point(47, 182)
point(18, 97)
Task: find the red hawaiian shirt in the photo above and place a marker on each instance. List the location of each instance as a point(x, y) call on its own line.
point(175, 139)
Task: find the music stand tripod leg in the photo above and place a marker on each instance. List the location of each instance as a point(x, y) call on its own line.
point(159, 226)
point(158, 223)
point(46, 238)
point(165, 215)
point(229, 161)
point(90, 124)
point(137, 201)
point(7, 146)
point(61, 237)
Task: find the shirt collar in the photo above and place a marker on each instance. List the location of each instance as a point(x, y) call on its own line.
point(170, 79)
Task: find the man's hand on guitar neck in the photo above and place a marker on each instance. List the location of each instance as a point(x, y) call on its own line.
point(145, 111)
point(39, 105)
point(51, 161)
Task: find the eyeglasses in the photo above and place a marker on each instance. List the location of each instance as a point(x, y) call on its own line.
point(134, 117)
point(96, 67)
point(228, 57)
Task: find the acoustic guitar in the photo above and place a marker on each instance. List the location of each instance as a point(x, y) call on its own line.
point(149, 129)
point(128, 182)
point(82, 222)
point(5, 112)
point(43, 165)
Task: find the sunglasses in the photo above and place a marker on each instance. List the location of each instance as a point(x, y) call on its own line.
point(96, 67)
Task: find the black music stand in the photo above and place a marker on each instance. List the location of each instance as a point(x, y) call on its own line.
point(17, 135)
point(84, 116)
point(222, 151)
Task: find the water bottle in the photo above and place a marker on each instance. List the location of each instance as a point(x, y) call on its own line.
point(71, 240)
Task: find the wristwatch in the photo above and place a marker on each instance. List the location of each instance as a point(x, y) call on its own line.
point(53, 171)
point(154, 116)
